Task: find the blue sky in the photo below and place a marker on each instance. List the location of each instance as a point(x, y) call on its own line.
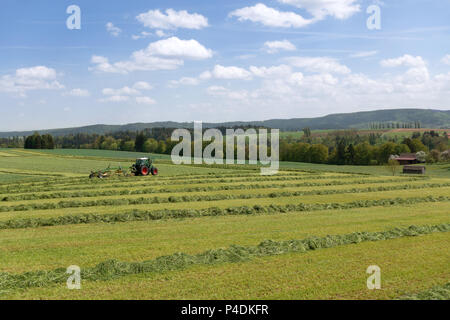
point(144, 61)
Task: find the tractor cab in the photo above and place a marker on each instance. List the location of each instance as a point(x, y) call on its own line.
point(144, 167)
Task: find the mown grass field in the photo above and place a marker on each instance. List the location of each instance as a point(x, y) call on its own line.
point(199, 232)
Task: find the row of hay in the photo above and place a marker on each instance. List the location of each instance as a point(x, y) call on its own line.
point(148, 215)
point(112, 269)
point(441, 292)
point(207, 197)
point(121, 182)
point(152, 190)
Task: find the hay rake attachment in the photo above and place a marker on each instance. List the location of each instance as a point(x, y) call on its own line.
point(142, 167)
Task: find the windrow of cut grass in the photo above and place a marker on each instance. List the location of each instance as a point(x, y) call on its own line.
point(48, 248)
point(210, 188)
point(113, 269)
point(67, 181)
point(441, 292)
point(208, 197)
point(132, 180)
point(223, 204)
point(148, 215)
point(88, 185)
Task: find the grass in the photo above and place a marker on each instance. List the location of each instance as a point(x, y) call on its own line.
point(55, 217)
point(138, 241)
point(335, 273)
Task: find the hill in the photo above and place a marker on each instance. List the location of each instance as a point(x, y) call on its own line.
point(359, 120)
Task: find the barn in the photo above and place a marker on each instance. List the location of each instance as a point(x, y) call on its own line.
point(414, 169)
point(407, 158)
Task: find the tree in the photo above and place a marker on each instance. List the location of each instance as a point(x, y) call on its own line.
point(139, 142)
point(393, 166)
point(307, 132)
point(318, 153)
point(37, 142)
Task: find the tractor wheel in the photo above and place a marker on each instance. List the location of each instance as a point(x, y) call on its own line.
point(154, 171)
point(144, 171)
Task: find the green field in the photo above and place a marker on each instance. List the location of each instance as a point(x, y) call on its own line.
point(201, 232)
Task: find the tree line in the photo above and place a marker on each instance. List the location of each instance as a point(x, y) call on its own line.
point(36, 141)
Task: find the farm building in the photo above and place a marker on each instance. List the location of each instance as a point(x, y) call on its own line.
point(407, 158)
point(414, 169)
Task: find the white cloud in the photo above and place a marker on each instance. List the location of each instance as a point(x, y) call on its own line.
point(266, 72)
point(128, 91)
point(176, 48)
point(363, 54)
point(271, 17)
point(318, 64)
point(115, 99)
point(142, 85)
point(125, 91)
point(206, 75)
point(320, 9)
point(406, 61)
point(142, 35)
point(186, 81)
point(221, 72)
point(145, 100)
point(26, 79)
point(446, 59)
point(219, 91)
point(167, 54)
point(155, 19)
point(275, 46)
point(161, 33)
point(79, 93)
point(113, 30)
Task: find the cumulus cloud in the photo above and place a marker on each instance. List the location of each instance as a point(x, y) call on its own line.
point(128, 91)
point(221, 72)
point(142, 85)
point(275, 46)
point(320, 9)
point(79, 93)
point(172, 19)
point(145, 100)
point(167, 54)
point(177, 48)
point(363, 54)
point(318, 64)
point(27, 79)
point(406, 60)
point(185, 81)
point(115, 99)
point(113, 30)
point(270, 17)
point(267, 72)
point(142, 35)
point(219, 91)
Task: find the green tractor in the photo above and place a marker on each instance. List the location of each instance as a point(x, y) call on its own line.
point(144, 167)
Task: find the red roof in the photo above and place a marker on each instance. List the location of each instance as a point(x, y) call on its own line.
point(406, 159)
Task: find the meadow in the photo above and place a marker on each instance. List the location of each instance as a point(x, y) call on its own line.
point(219, 232)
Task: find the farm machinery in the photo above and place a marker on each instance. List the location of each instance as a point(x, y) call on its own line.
point(142, 167)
